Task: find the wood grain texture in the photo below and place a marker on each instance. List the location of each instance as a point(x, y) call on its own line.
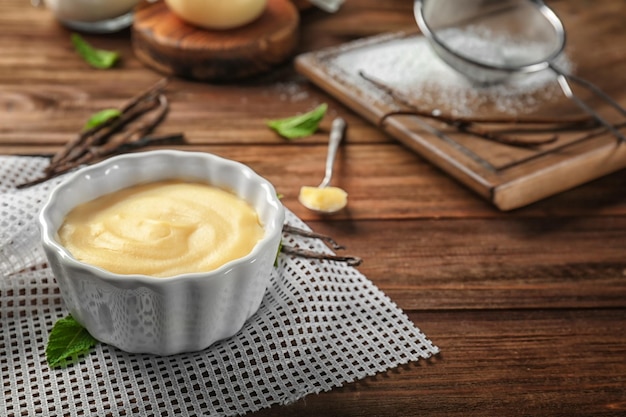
point(524, 363)
point(466, 264)
point(510, 177)
point(528, 307)
point(169, 45)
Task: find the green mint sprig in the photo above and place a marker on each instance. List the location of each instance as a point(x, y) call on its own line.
point(97, 58)
point(101, 117)
point(67, 341)
point(301, 125)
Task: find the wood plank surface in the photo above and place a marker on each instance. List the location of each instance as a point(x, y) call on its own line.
point(169, 45)
point(508, 176)
point(537, 367)
point(528, 307)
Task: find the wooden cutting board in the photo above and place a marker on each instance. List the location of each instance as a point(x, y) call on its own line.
point(509, 176)
point(166, 43)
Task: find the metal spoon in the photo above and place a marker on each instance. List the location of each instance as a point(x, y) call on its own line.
point(325, 199)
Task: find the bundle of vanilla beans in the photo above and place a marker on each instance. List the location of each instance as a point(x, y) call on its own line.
point(129, 130)
point(528, 132)
point(305, 253)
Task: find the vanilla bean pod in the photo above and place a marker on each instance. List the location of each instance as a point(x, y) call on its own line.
point(80, 154)
point(100, 141)
point(172, 138)
point(134, 144)
point(80, 139)
point(470, 125)
point(306, 233)
point(305, 253)
point(545, 125)
point(144, 128)
point(565, 127)
point(149, 93)
point(574, 120)
point(122, 148)
point(77, 142)
point(148, 126)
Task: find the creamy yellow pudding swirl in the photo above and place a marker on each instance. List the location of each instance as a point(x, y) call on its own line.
point(327, 199)
point(162, 229)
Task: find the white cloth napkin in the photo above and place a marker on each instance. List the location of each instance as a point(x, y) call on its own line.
point(321, 324)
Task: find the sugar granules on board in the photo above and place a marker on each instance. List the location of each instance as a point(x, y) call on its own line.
point(409, 65)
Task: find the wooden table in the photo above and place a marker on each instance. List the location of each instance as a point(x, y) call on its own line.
point(528, 307)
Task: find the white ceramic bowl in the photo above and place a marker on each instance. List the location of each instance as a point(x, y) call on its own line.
point(163, 316)
point(93, 16)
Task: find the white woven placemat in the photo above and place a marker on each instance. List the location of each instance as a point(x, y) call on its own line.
point(321, 324)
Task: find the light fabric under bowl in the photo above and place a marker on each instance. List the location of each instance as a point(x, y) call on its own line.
point(164, 316)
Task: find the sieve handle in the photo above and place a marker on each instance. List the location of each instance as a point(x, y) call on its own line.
point(564, 82)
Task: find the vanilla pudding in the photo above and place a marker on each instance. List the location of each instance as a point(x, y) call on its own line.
point(325, 199)
point(162, 229)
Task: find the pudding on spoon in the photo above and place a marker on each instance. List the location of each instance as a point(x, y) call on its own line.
point(325, 198)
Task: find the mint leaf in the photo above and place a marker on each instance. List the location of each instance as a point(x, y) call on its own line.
point(97, 58)
point(101, 117)
point(67, 340)
point(301, 125)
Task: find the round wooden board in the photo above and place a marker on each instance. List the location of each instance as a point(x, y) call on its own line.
point(166, 43)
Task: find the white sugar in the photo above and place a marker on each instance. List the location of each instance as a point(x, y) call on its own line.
point(410, 66)
point(292, 92)
point(483, 45)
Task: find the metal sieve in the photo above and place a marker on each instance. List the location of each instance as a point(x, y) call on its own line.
point(492, 41)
